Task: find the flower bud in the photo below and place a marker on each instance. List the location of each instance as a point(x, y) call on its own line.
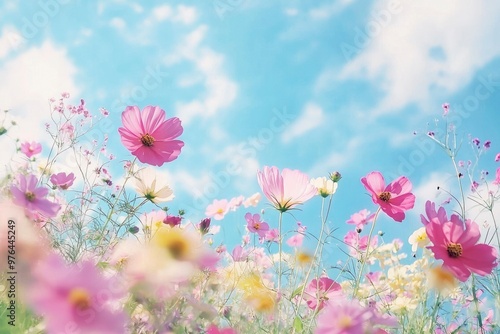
point(335, 176)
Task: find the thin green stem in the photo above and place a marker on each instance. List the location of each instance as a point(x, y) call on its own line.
point(363, 261)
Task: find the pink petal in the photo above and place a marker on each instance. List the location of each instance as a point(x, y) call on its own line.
point(374, 183)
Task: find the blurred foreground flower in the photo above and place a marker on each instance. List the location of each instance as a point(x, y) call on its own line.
point(287, 189)
point(456, 244)
point(149, 136)
point(76, 297)
point(394, 199)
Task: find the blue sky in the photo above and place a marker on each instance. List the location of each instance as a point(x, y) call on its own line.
point(316, 86)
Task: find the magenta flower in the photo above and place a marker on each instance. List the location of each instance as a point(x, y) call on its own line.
point(76, 297)
point(319, 291)
point(216, 330)
point(30, 149)
point(393, 199)
point(172, 221)
point(361, 218)
point(63, 181)
point(255, 225)
point(285, 190)
point(497, 177)
point(32, 198)
point(457, 246)
point(149, 136)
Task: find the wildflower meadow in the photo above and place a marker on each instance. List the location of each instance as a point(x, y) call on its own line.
point(249, 166)
point(86, 251)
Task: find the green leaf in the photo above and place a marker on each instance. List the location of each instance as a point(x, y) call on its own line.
point(297, 324)
point(297, 291)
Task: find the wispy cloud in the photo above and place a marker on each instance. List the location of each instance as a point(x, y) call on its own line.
point(220, 91)
point(312, 117)
point(412, 49)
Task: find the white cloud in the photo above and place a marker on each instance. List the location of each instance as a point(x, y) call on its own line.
point(118, 23)
point(10, 40)
point(421, 46)
point(186, 15)
point(163, 12)
point(324, 12)
point(312, 117)
point(220, 90)
point(28, 82)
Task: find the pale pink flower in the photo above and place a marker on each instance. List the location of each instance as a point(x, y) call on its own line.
point(295, 240)
point(30, 149)
point(319, 291)
point(235, 202)
point(361, 218)
point(393, 199)
point(75, 296)
point(217, 209)
point(359, 244)
point(446, 108)
point(252, 200)
point(32, 198)
point(255, 225)
point(62, 180)
point(287, 189)
point(497, 157)
point(343, 316)
point(149, 136)
point(456, 244)
point(272, 235)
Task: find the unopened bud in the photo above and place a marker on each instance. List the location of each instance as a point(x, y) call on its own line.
point(335, 176)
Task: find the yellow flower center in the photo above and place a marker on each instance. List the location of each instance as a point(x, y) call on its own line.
point(256, 226)
point(29, 196)
point(174, 242)
point(345, 321)
point(220, 211)
point(79, 298)
point(385, 196)
point(147, 140)
point(454, 250)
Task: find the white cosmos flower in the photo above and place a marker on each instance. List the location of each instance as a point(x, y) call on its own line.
point(151, 188)
point(418, 239)
point(325, 186)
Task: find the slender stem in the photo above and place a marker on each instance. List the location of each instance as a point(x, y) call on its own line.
point(460, 185)
point(363, 261)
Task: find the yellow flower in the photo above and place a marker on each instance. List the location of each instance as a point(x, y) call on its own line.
point(256, 293)
point(176, 242)
point(441, 279)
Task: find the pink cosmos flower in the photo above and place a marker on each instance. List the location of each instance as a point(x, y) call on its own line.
point(76, 297)
point(255, 225)
point(497, 177)
point(446, 108)
point(172, 221)
point(343, 316)
point(295, 240)
point(359, 244)
point(216, 330)
point(273, 235)
point(30, 149)
point(497, 157)
point(62, 181)
point(32, 198)
point(393, 199)
point(149, 136)
point(217, 209)
point(361, 218)
point(457, 246)
point(287, 189)
point(319, 291)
